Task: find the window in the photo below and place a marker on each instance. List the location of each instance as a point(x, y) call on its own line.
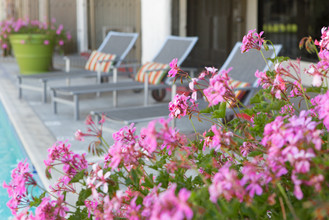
point(286, 22)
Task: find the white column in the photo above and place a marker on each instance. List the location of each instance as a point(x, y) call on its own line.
point(44, 10)
point(252, 15)
point(82, 25)
point(156, 26)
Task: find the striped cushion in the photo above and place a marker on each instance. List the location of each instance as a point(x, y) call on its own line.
point(93, 65)
point(155, 77)
point(238, 84)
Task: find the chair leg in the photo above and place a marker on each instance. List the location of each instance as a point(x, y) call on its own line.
point(44, 95)
point(76, 107)
point(115, 98)
point(53, 101)
point(20, 88)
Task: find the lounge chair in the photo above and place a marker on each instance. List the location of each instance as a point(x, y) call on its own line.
point(173, 47)
point(244, 68)
point(117, 43)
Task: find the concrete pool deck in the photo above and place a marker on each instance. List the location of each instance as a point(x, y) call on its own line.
point(38, 128)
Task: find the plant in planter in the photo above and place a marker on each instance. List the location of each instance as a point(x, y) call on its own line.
point(33, 43)
point(270, 162)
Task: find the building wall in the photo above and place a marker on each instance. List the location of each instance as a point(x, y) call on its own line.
point(156, 26)
point(252, 13)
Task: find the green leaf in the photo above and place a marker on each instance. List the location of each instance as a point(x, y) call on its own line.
point(78, 177)
point(220, 113)
point(48, 174)
point(37, 200)
point(254, 153)
point(210, 109)
point(79, 215)
point(256, 99)
point(149, 182)
point(83, 195)
point(135, 177)
point(314, 89)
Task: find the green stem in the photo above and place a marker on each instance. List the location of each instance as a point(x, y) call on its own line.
point(265, 59)
point(291, 208)
point(306, 100)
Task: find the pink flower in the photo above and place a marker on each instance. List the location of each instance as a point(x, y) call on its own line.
point(324, 42)
point(317, 75)
point(125, 149)
point(170, 206)
point(61, 42)
point(321, 103)
point(17, 188)
point(165, 137)
point(178, 107)
point(4, 46)
point(60, 153)
point(226, 184)
point(218, 139)
point(133, 209)
point(192, 85)
point(149, 201)
point(252, 41)
point(22, 41)
point(59, 29)
point(246, 148)
point(174, 69)
point(219, 89)
point(212, 70)
point(263, 79)
point(149, 137)
point(294, 142)
point(68, 36)
point(45, 210)
point(46, 42)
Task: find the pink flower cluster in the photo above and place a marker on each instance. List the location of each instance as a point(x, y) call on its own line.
point(282, 80)
point(60, 153)
point(17, 189)
point(226, 184)
point(321, 103)
point(173, 68)
point(27, 26)
point(324, 42)
point(167, 205)
point(129, 148)
point(126, 149)
point(252, 41)
point(320, 70)
point(295, 142)
point(218, 139)
point(181, 105)
point(219, 89)
point(166, 137)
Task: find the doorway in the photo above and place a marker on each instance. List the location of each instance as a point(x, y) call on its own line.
point(219, 24)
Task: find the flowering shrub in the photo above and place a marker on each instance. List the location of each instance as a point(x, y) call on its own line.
point(270, 162)
point(55, 33)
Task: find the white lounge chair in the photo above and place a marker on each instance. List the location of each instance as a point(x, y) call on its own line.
point(244, 68)
point(173, 47)
point(117, 43)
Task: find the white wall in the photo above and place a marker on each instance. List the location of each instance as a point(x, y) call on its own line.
point(252, 13)
point(156, 26)
point(82, 30)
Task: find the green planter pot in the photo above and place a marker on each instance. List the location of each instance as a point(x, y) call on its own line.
point(32, 55)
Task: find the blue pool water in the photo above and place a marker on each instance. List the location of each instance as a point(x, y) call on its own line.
point(11, 153)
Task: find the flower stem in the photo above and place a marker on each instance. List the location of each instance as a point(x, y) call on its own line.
point(291, 208)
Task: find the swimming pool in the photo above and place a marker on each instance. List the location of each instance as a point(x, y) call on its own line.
point(11, 153)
